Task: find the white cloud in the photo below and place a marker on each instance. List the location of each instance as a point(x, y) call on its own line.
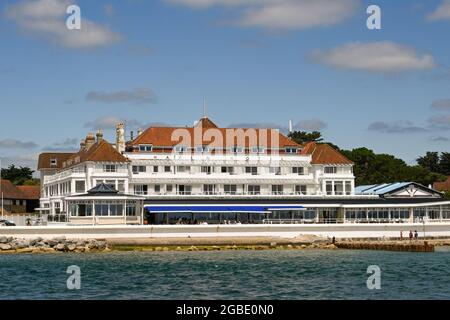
point(301, 14)
point(17, 144)
point(442, 12)
point(395, 127)
point(47, 18)
point(137, 96)
point(310, 125)
point(380, 57)
point(282, 14)
point(110, 122)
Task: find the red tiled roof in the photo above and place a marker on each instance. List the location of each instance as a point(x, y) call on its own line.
point(323, 153)
point(212, 136)
point(44, 161)
point(101, 151)
point(31, 192)
point(10, 191)
point(442, 186)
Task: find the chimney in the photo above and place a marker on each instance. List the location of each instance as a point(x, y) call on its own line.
point(90, 141)
point(82, 144)
point(139, 132)
point(131, 135)
point(99, 135)
point(120, 137)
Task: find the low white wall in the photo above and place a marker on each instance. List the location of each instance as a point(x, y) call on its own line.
point(184, 231)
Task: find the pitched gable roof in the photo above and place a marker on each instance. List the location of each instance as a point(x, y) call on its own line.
point(323, 153)
point(101, 151)
point(205, 122)
point(10, 191)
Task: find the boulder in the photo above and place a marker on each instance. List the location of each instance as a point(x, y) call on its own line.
point(60, 247)
point(71, 247)
point(4, 246)
point(4, 239)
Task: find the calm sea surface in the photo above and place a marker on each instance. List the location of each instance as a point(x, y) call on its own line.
point(271, 274)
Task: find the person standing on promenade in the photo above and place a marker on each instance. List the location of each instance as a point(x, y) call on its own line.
point(416, 235)
point(401, 234)
point(410, 234)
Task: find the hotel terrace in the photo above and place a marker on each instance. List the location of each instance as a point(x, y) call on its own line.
point(207, 174)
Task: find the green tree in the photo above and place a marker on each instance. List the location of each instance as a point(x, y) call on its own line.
point(430, 161)
point(371, 168)
point(302, 137)
point(17, 175)
point(444, 163)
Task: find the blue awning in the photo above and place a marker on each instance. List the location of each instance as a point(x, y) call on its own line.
point(217, 208)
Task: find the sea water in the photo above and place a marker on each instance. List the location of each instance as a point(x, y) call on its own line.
point(270, 274)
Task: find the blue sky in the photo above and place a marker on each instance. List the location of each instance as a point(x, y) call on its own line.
point(257, 63)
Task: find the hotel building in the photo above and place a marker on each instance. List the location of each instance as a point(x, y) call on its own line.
point(207, 174)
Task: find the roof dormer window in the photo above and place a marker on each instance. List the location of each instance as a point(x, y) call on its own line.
point(180, 149)
point(145, 148)
point(291, 150)
point(53, 162)
point(257, 149)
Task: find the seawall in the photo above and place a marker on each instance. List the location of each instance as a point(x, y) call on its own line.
point(237, 231)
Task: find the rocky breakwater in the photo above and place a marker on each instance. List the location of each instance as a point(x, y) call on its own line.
point(59, 244)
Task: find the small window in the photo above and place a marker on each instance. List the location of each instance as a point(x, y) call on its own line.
point(167, 169)
point(180, 149)
point(275, 170)
point(121, 185)
point(109, 168)
point(80, 186)
point(330, 169)
point(157, 188)
point(206, 169)
point(169, 188)
point(291, 150)
point(230, 188)
point(145, 148)
point(138, 169)
point(252, 170)
point(229, 170)
point(277, 189)
point(155, 169)
point(237, 149)
point(300, 189)
point(257, 149)
point(183, 169)
point(254, 189)
point(298, 170)
point(53, 162)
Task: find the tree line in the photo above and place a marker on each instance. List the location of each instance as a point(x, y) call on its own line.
point(19, 176)
point(373, 168)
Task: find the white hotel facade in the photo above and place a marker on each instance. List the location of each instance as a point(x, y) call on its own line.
point(216, 175)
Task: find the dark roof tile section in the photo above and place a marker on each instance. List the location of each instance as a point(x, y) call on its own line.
point(101, 151)
point(45, 160)
point(442, 186)
point(10, 191)
point(31, 192)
